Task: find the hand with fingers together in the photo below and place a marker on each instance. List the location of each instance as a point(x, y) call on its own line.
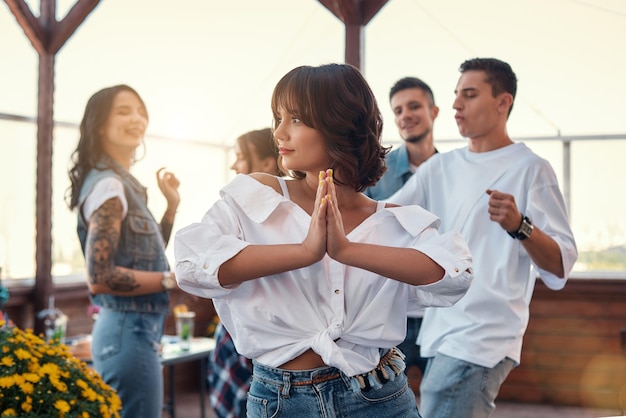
point(315, 241)
point(335, 234)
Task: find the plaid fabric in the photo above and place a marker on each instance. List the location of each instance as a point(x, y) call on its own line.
point(229, 377)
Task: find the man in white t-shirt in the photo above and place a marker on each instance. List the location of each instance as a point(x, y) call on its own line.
point(506, 202)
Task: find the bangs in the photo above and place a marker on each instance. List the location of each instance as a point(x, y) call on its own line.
point(292, 95)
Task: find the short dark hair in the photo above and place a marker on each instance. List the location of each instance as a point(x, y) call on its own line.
point(412, 83)
point(500, 75)
point(335, 100)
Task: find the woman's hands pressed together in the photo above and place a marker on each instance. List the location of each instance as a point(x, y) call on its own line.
point(326, 232)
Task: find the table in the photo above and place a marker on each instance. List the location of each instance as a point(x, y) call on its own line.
point(172, 354)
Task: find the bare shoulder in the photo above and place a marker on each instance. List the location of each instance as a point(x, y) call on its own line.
point(268, 180)
point(387, 204)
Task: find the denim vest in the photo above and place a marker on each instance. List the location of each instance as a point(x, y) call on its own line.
point(141, 245)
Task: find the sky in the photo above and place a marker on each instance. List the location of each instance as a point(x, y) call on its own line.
point(206, 70)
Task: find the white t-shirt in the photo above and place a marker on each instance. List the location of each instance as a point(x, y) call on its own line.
point(103, 190)
point(488, 323)
point(345, 314)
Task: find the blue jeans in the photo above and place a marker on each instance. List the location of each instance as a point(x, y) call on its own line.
point(325, 392)
point(125, 353)
point(410, 348)
point(453, 388)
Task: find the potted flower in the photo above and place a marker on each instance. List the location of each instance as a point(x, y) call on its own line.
point(40, 379)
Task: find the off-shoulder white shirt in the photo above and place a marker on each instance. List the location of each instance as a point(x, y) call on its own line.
point(345, 314)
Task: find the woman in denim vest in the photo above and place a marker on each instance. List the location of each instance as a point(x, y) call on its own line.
point(124, 247)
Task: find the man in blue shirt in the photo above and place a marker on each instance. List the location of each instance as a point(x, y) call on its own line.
point(413, 105)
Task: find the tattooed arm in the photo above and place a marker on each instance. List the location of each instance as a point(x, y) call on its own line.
point(166, 226)
point(102, 243)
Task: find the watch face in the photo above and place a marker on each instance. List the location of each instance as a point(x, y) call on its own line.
point(168, 281)
point(526, 228)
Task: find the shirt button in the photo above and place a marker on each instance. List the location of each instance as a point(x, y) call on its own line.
point(337, 291)
point(206, 266)
point(456, 270)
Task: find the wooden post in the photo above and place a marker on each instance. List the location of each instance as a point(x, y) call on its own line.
point(47, 36)
point(355, 14)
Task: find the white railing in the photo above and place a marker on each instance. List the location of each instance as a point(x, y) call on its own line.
point(587, 167)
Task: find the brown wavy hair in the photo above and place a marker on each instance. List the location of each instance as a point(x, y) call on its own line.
point(335, 100)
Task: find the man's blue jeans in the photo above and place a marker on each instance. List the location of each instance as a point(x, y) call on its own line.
point(453, 388)
point(125, 353)
point(325, 392)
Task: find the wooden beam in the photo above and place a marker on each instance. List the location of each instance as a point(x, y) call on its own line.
point(43, 239)
point(33, 30)
point(354, 45)
point(66, 27)
point(47, 36)
point(342, 9)
point(369, 9)
point(353, 12)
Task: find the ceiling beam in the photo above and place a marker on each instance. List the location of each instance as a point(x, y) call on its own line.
point(37, 36)
point(66, 27)
point(370, 8)
point(44, 32)
point(354, 14)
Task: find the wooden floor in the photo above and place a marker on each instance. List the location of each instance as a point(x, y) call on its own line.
point(188, 406)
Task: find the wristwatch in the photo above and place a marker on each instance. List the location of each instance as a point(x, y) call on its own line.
point(168, 281)
point(524, 230)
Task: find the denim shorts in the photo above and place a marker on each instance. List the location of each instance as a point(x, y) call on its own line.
point(326, 392)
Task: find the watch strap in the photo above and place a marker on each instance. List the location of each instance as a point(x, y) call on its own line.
point(524, 229)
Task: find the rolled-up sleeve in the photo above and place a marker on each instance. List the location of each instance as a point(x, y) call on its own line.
point(451, 252)
point(201, 248)
point(547, 210)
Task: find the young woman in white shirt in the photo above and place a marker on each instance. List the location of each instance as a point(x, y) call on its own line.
point(313, 279)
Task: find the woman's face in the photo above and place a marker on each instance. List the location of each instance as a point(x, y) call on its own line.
point(126, 125)
point(301, 147)
point(253, 164)
point(240, 165)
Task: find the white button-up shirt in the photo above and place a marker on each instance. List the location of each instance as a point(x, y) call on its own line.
point(345, 314)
